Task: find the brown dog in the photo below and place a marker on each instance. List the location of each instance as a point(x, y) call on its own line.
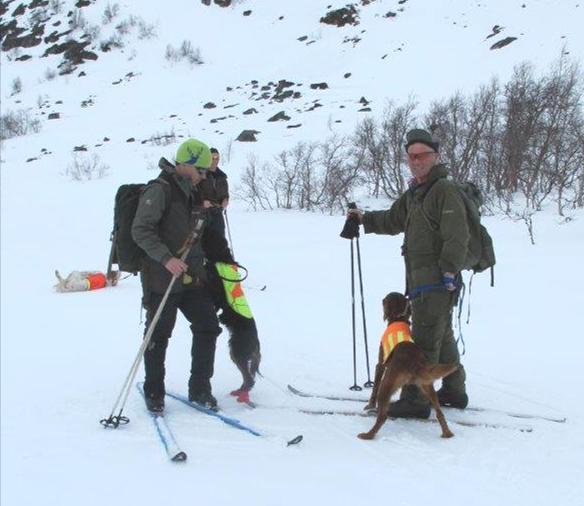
point(401, 363)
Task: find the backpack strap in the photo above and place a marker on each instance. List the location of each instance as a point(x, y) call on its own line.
point(434, 227)
point(166, 185)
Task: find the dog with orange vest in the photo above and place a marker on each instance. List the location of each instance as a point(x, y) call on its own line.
point(401, 363)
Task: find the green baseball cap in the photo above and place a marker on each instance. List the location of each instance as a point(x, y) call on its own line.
point(194, 152)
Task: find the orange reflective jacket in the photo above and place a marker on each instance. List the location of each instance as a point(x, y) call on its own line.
point(395, 333)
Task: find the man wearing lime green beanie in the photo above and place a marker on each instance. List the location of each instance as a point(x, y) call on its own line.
point(166, 214)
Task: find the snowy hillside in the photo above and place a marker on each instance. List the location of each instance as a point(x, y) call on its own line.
point(65, 356)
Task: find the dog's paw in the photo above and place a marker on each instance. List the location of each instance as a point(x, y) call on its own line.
point(365, 435)
point(241, 395)
point(447, 434)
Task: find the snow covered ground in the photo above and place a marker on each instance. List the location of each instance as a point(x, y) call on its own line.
point(64, 356)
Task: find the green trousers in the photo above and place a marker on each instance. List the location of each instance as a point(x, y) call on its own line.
point(432, 332)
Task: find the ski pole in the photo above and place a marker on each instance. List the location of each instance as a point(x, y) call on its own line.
point(355, 386)
point(114, 421)
point(229, 232)
point(369, 383)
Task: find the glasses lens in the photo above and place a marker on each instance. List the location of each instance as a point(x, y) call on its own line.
point(419, 156)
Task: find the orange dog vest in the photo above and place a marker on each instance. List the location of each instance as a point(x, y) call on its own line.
point(395, 333)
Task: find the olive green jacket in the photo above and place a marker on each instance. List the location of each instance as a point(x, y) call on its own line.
point(432, 217)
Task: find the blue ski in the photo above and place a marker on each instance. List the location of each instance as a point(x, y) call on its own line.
point(225, 419)
point(175, 454)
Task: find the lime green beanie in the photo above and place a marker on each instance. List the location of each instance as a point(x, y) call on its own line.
point(194, 152)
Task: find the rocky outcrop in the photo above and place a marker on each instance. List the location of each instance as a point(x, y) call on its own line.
point(281, 116)
point(247, 136)
point(340, 17)
point(503, 42)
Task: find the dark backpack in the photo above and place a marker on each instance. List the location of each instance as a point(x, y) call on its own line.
point(480, 254)
point(124, 251)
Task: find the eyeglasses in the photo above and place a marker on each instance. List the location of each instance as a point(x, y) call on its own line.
point(413, 157)
point(202, 172)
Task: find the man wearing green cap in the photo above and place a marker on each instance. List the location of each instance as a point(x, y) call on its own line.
point(167, 212)
point(432, 216)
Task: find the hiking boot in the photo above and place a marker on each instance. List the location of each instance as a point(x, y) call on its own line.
point(452, 399)
point(204, 399)
point(405, 408)
point(154, 403)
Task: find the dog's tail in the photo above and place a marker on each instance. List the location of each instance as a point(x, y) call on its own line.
point(434, 372)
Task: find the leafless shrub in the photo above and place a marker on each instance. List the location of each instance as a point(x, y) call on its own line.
point(309, 176)
point(56, 6)
point(227, 150)
point(163, 139)
point(115, 41)
point(543, 133)
point(50, 74)
point(16, 86)
point(252, 189)
point(36, 17)
point(17, 123)
point(92, 32)
point(14, 53)
point(41, 101)
point(124, 27)
point(184, 52)
point(67, 67)
point(110, 13)
point(382, 144)
point(521, 141)
point(86, 168)
point(78, 21)
point(146, 31)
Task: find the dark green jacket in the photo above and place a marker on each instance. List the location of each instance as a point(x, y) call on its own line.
point(166, 214)
point(215, 188)
point(432, 217)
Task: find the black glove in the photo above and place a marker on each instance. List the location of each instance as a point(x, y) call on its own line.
point(351, 228)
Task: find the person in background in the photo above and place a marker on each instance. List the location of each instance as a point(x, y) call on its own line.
point(215, 193)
